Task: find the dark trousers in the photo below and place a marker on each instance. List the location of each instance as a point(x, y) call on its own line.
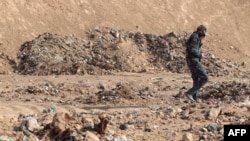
point(199, 75)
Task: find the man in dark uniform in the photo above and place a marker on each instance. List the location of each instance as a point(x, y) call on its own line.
point(193, 57)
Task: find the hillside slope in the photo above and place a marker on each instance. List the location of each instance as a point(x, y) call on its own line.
point(23, 20)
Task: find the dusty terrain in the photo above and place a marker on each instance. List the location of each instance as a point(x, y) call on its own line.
point(115, 70)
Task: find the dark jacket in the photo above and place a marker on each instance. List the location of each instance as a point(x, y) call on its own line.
point(193, 46)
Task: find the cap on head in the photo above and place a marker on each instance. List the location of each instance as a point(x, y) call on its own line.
point(202, 28)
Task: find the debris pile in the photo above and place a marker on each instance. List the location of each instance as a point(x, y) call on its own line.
point(45, 88)
point(60, 126)
point(108, 50)
point(115, 95)
point(227, 91)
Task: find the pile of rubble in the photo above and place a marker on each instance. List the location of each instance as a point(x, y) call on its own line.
point(108, 50)
point(60, 127)
point(228, 91)
point(223, 92)
point(115, 95)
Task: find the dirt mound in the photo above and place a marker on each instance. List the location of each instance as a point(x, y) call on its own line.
point(115, 95)
point(108, 50)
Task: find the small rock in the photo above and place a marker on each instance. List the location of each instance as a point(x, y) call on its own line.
point(213, 56)
point(147, 130)
point(88, 122)
point(171, 112)
point(121, 138)
point(241, 120)
point(61, 120)
point(212, 127)
point(243, 64)
point(204, 129)
point(160, 114)
point(185, 114)
point(213, 113)
point(203, 137)
point(102, 126)
point(109, 138)
point(179, 110)
point(123, 127)
point(187, 137)
point(221, 132)
point(31, 124)
point(91, 137)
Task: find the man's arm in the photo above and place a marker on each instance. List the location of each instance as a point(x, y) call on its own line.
point(194, 46)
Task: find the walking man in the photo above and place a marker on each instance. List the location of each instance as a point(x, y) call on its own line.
point(193, 58)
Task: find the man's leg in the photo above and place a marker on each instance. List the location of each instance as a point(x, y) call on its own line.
point(192, 91)
point(195, 79)
point(189, 64)
point(202, 80)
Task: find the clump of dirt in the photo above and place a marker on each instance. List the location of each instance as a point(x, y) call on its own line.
point(107, 50)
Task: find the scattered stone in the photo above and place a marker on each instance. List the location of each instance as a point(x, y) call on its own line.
point(228, 91)
point(160, 114)
point(204, 129)
point(171, 112)
point(89, 136)
point(123, 127)
point(241, 120)
point(60, 123)
point(88, 123)
point(178, 110)
point(187, 137)
point(32, 124)
point(147, 129)
point(212, 127)
point(221, 132)
point(203, 137)
point(102, 126)
point(121, 138)
point(213, 113)
point(108, 138)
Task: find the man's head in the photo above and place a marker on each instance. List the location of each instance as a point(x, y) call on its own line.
point(202, 30)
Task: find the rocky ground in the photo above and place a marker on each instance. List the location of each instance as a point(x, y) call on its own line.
point(117, 85)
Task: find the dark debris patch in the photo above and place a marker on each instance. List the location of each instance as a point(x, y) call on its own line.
point(227, 91)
